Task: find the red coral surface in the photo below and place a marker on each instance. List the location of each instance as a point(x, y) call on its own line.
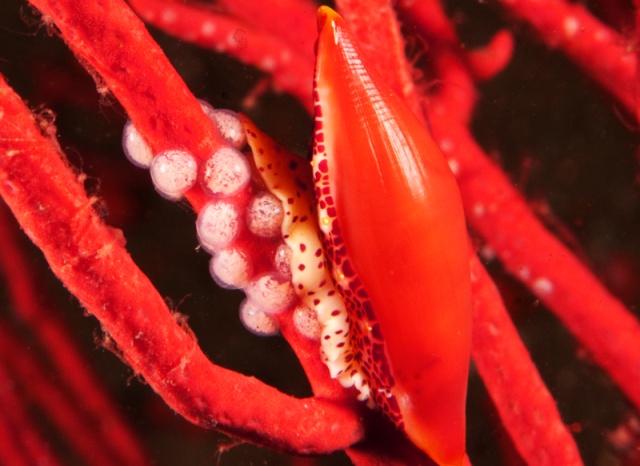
point(536, 106)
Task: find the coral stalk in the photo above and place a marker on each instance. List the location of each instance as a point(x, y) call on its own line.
point(114, 45)
point(534, 256)
point(10, 451)
point(89, 258)
point(64, 355)
point(526, 407)
point(29, 372)
point(600, 51)
point(503, 361)
point(597, 319)
point(291, 20)
point(291, 70)
point(20, 441)
point(48, 199)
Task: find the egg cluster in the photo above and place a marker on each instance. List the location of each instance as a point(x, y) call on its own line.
point(240, 225)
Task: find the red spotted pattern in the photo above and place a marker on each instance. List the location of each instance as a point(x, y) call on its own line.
point(365, 340)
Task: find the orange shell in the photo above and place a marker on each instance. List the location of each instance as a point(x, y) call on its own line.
point(391, 214)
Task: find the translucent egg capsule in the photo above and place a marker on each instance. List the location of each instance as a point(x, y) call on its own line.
point(265, 215)
point(226, 172)
point(230, 127)
point(173, 172)
point(256, 320)
point(135, 148)
point(228, 123)
point(306, 322)
point(272, 292)
point(231, 268)
point(282, 260)
point(218, 225)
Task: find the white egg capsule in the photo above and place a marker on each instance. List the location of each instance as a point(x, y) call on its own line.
point(265, 215)
point(282, 260)
point(135, 148)
point(256, 320)
point(306, 322)
point(231, 268)
point(226, 172)
point(173, 172)
point(218, 224)
point(230, 126)
point(228, 123)
point(272, 292)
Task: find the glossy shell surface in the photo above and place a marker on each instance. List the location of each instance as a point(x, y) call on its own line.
point(394, 231)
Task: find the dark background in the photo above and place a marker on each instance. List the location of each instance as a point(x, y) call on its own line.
point(563, 142)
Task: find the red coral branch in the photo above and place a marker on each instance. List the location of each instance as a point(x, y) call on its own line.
point(110, 40)
point(77, 23)
point(601, 52)
point(539, 260)
point(89, 258)
point(292, 20)
point(526, 407)
point(527, 249)
point(91, 261)
point(290, 67)
point(182, 18)
point(20, 441)
point(513, 381)
point(10, 450)
point(487, 62)
point(59, 407)
point(65, 357)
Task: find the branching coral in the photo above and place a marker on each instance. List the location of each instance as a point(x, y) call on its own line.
point(441, 83)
